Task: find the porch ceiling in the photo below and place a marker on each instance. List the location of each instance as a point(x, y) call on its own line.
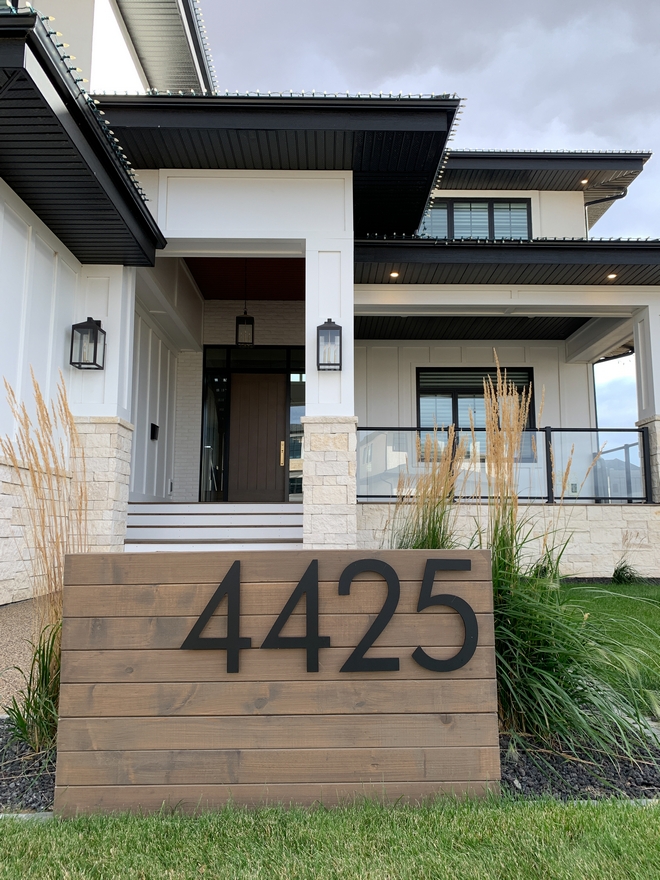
point(486, 327)
point(393, 145)
point(56, 156)
point(234, 278)
point(551, 261)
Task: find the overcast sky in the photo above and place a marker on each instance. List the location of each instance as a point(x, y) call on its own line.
point(558, 74)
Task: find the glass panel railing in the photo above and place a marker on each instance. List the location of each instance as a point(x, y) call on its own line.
point(551, 465)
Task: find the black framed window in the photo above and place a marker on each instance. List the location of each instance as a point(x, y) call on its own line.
point(485, 219)
point(446, 395)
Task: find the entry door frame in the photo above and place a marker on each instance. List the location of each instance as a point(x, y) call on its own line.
point(286, 371)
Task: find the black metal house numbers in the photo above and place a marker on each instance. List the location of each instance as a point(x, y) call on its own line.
point(308, 586)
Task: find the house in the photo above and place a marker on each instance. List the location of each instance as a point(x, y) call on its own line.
point(191, 222)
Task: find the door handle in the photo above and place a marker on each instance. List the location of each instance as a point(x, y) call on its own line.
point(282, 453)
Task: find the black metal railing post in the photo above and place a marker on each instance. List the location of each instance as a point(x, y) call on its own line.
point(626, 458)
point(646, 458)
point(550, 489)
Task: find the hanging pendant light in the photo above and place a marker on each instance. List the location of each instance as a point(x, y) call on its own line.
point(245, 322)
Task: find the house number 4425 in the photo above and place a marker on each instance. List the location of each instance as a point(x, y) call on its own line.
point(233, 643)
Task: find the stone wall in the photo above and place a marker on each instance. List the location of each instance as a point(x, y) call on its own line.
point(15, 582)
point(598, 535)
point(329, 464)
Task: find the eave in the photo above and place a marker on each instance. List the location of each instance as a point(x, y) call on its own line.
point(553, 261)
point(394, 146)
point(56, 155)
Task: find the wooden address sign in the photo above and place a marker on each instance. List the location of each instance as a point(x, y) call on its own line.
point(194, 679)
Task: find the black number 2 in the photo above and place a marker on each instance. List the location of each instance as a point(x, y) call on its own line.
point(467, 614)
point(232, 643)
point(311, 641)
point(357, 662)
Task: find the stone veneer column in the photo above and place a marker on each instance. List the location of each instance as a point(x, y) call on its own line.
point(107, 443)
point(329, 485)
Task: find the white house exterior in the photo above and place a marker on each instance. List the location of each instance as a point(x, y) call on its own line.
point(168, 214)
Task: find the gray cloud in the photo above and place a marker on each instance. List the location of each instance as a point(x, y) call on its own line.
point(566, 74)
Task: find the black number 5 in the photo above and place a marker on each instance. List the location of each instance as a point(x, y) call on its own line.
point(467, 614)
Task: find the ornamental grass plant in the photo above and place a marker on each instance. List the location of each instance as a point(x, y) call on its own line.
point(48, 464)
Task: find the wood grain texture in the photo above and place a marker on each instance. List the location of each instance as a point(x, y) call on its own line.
point(145, 724)
point(197, 799)
point(180, 600)
point(276, 766)
point(285, 566)
point(345, 630)
point(305, 697)
point(192, 666)
point(277, 732)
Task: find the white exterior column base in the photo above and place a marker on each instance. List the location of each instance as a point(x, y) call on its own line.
point(329, 485)
point(653, 424)
point(107, 443)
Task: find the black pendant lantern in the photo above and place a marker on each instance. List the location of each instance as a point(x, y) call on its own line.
point(87, 345)
point(245, 322)
point(328, 346)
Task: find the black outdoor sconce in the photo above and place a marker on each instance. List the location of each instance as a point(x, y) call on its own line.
point(87, 345)
point(244, 330)
point(328, 346)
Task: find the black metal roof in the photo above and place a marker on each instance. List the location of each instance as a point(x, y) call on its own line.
point(607, 173)
point(466, 327)
point(56, 155)
point(393, 145)
point(168, 39)
point(539, 261)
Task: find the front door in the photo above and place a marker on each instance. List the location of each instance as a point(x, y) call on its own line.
point(257, 437)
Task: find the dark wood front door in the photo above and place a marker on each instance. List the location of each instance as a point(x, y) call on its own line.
point(257, 437)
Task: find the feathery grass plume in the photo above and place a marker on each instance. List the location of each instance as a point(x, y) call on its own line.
point(425, 512)
point(48, 462)
point(563, 679)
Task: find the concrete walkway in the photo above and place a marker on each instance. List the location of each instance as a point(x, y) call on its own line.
point(16, 633)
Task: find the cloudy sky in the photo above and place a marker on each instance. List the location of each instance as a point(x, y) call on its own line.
point(558, 74)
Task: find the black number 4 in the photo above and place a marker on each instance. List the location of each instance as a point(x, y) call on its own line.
point(311, 641)
point(467, 614)
point(232, 643)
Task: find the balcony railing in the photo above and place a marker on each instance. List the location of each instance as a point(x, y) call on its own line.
point(609, 466)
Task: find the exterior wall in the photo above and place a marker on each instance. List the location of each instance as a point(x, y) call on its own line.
point(598, 535)
point(386, 372)
point(154, 389)
point(275, 323)
point(188, 427)
point(554, 214)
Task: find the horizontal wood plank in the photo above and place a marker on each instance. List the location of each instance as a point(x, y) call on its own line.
point(152, 633)
point(196, 799)
point(276, 698)
point(207, 568)
point(181, 600)
point(277, 732)
point(250, 766)
point(288, 664)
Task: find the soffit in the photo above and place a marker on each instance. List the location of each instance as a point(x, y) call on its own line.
point(233, 278)
point(393, 146)
point(484, 327)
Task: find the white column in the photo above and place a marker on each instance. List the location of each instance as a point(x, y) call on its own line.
point(101, 402)
point(646, 327)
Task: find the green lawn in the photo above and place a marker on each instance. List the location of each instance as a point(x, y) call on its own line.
point(635, 602)
point(504, 840)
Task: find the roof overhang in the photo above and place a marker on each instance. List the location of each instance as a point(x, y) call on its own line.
point(394, 146)
point(56, 155)
point(608, 174)
point(421, 261)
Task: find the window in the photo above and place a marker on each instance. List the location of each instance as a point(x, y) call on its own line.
point(480, 219)
point(448, 396)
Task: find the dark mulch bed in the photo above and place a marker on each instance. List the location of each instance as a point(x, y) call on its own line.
point(27, 781)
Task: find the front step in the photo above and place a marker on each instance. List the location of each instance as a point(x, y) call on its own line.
point(171, 527)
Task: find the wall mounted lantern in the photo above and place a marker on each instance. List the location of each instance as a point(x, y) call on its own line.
point(87, 345)
point(328, 346)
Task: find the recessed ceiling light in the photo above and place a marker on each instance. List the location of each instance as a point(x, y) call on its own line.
point(612, 275)
point(394, 274)
point(585, 181)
